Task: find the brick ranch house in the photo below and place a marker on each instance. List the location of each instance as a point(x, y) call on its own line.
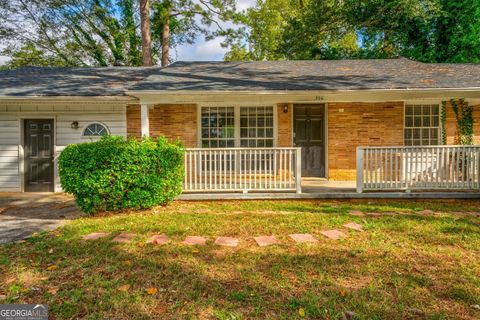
point(259, 116)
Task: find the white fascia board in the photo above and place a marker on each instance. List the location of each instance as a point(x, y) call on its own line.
point(377, 95)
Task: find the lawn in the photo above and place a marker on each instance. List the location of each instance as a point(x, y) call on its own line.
point(405, 265)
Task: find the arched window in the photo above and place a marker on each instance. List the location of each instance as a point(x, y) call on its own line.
point(95, 130)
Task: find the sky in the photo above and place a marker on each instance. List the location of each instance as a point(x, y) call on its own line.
point(201, 50)
point(207, 50)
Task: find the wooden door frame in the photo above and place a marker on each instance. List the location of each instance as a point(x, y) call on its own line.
point(325, 130)
point(21, 149)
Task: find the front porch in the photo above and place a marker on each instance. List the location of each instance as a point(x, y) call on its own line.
point(382, 172)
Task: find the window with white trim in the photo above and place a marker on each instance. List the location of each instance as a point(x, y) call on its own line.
point(218, 127)
point(256, 127)
point(237, 126)
point(95, 130)
point(422, 124)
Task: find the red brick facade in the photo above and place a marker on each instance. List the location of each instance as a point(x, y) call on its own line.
point(451, 125)
point(284, 125)
point(174, 121)
point(360, 124)
point(349, 125)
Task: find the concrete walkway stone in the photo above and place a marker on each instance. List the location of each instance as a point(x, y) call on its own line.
point(124, 238)
point(334, 234)
point(194, 240)
point(159, 239)
point(353, 226)
point(356, 213)
point(425, 212)
point(227, 241)
point(95, 235)
point(374, 214)
point(264, 241)
point(303, 238)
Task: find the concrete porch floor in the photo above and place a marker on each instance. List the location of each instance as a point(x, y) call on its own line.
point(320, 185)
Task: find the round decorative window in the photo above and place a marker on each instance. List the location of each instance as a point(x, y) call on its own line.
point(95, 130)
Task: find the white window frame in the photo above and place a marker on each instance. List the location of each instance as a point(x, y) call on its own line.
point(422, 102)
point(83, 136)
point(236, 120)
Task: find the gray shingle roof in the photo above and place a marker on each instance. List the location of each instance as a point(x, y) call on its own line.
point(312, 75)
point(42, 81)
point(240, 76)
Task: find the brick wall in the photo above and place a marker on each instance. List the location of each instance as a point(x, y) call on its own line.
point(360, 124)
point(284, 125)
point(451, 124)
point(174, 121)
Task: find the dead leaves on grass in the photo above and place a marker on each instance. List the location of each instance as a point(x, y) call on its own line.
point(152, 291)
point(124, 288)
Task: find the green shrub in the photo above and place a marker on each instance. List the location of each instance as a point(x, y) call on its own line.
point(114, 173)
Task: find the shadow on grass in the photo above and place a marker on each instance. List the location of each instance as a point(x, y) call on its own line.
point(212, 282)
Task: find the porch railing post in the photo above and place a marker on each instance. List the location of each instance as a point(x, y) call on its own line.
point(360, 164)
point(298, 171)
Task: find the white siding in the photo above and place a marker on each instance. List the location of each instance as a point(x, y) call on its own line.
point(113, 115)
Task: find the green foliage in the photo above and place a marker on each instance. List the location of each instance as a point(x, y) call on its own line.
point(423, 30)
point(104, 32)
point(114, 173)
point(29, 55)
point(443, 120)
point(464, 116)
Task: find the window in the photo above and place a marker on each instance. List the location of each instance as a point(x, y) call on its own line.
point(239, 126)
point(256, 127)
point(218, 127)
point(95, 130)
point(422, 124)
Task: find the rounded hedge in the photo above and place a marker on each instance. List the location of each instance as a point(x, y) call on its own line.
point(114, 173)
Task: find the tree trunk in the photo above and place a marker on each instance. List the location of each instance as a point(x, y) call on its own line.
point(145, 29)
point(166, 40)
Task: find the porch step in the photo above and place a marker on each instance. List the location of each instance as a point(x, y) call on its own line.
point(330, 195)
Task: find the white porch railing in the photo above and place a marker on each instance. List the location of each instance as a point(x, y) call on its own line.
point(418, 168)
point(242, 169)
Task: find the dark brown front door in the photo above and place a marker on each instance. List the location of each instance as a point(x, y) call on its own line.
point(38, 155)
point(309, 122)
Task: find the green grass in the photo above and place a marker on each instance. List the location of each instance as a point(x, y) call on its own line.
point(400, 263)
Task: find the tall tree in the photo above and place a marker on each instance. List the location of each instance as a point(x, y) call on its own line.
point(146, 33)
point(191, 18)
point(108, 32)
point(262, 32)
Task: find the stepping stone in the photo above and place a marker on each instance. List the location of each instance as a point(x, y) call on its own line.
point(374, 214)
point(353, 226)
point(474, 214)
point(124, 238)
point(194, 240)
point(202, 210)
point(159, 239)
point(227, 241)
point(95, 235)
point(303, 238)
point(356, 213)
point(389, 213)
point(425, 212)
point(264, 241)
point(333, 234)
